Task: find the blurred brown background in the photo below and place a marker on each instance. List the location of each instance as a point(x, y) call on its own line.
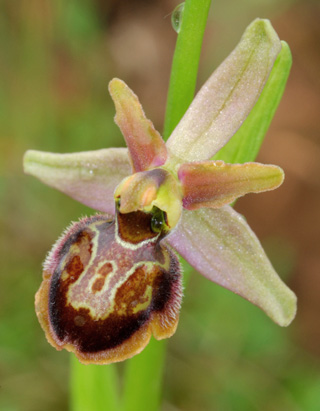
point(56, 58)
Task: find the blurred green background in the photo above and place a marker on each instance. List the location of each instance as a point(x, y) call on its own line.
point(56, 58)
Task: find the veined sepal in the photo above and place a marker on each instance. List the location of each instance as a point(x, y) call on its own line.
point(221, 246)
point(89, 177)
point(227, 97)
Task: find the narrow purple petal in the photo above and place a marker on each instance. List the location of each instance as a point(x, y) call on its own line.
point(213, 184)
point(89, 177)
point(146, 147)
point(222, 247)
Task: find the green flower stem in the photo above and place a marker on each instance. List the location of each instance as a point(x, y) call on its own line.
point(93, 387)
point(143, 377)
point(185, 62)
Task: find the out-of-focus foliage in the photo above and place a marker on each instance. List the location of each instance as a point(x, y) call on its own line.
point(56, 59)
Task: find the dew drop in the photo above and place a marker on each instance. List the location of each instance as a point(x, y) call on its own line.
point(176, 17)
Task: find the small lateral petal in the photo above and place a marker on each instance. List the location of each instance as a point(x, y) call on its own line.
point(89, 177)
point(216, 183)
point(146, 146)
point(227, 97)
point(222, 247)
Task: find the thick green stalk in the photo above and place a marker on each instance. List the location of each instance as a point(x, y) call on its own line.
point(93, 387)
point(185, 62)
point(143, 377)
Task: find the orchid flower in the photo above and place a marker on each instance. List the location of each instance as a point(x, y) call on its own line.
point(113, 280)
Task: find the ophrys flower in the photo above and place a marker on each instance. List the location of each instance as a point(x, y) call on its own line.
point(111, 282)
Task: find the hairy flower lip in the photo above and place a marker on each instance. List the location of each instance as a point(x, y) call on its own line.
point(137, 303)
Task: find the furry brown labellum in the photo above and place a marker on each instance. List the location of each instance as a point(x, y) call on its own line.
point(108, 285)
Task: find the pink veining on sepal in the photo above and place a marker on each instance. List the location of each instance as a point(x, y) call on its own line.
point(216, 183)
point(146, 147)
point(221, 246)
point(89, 177)
point(226, 99)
